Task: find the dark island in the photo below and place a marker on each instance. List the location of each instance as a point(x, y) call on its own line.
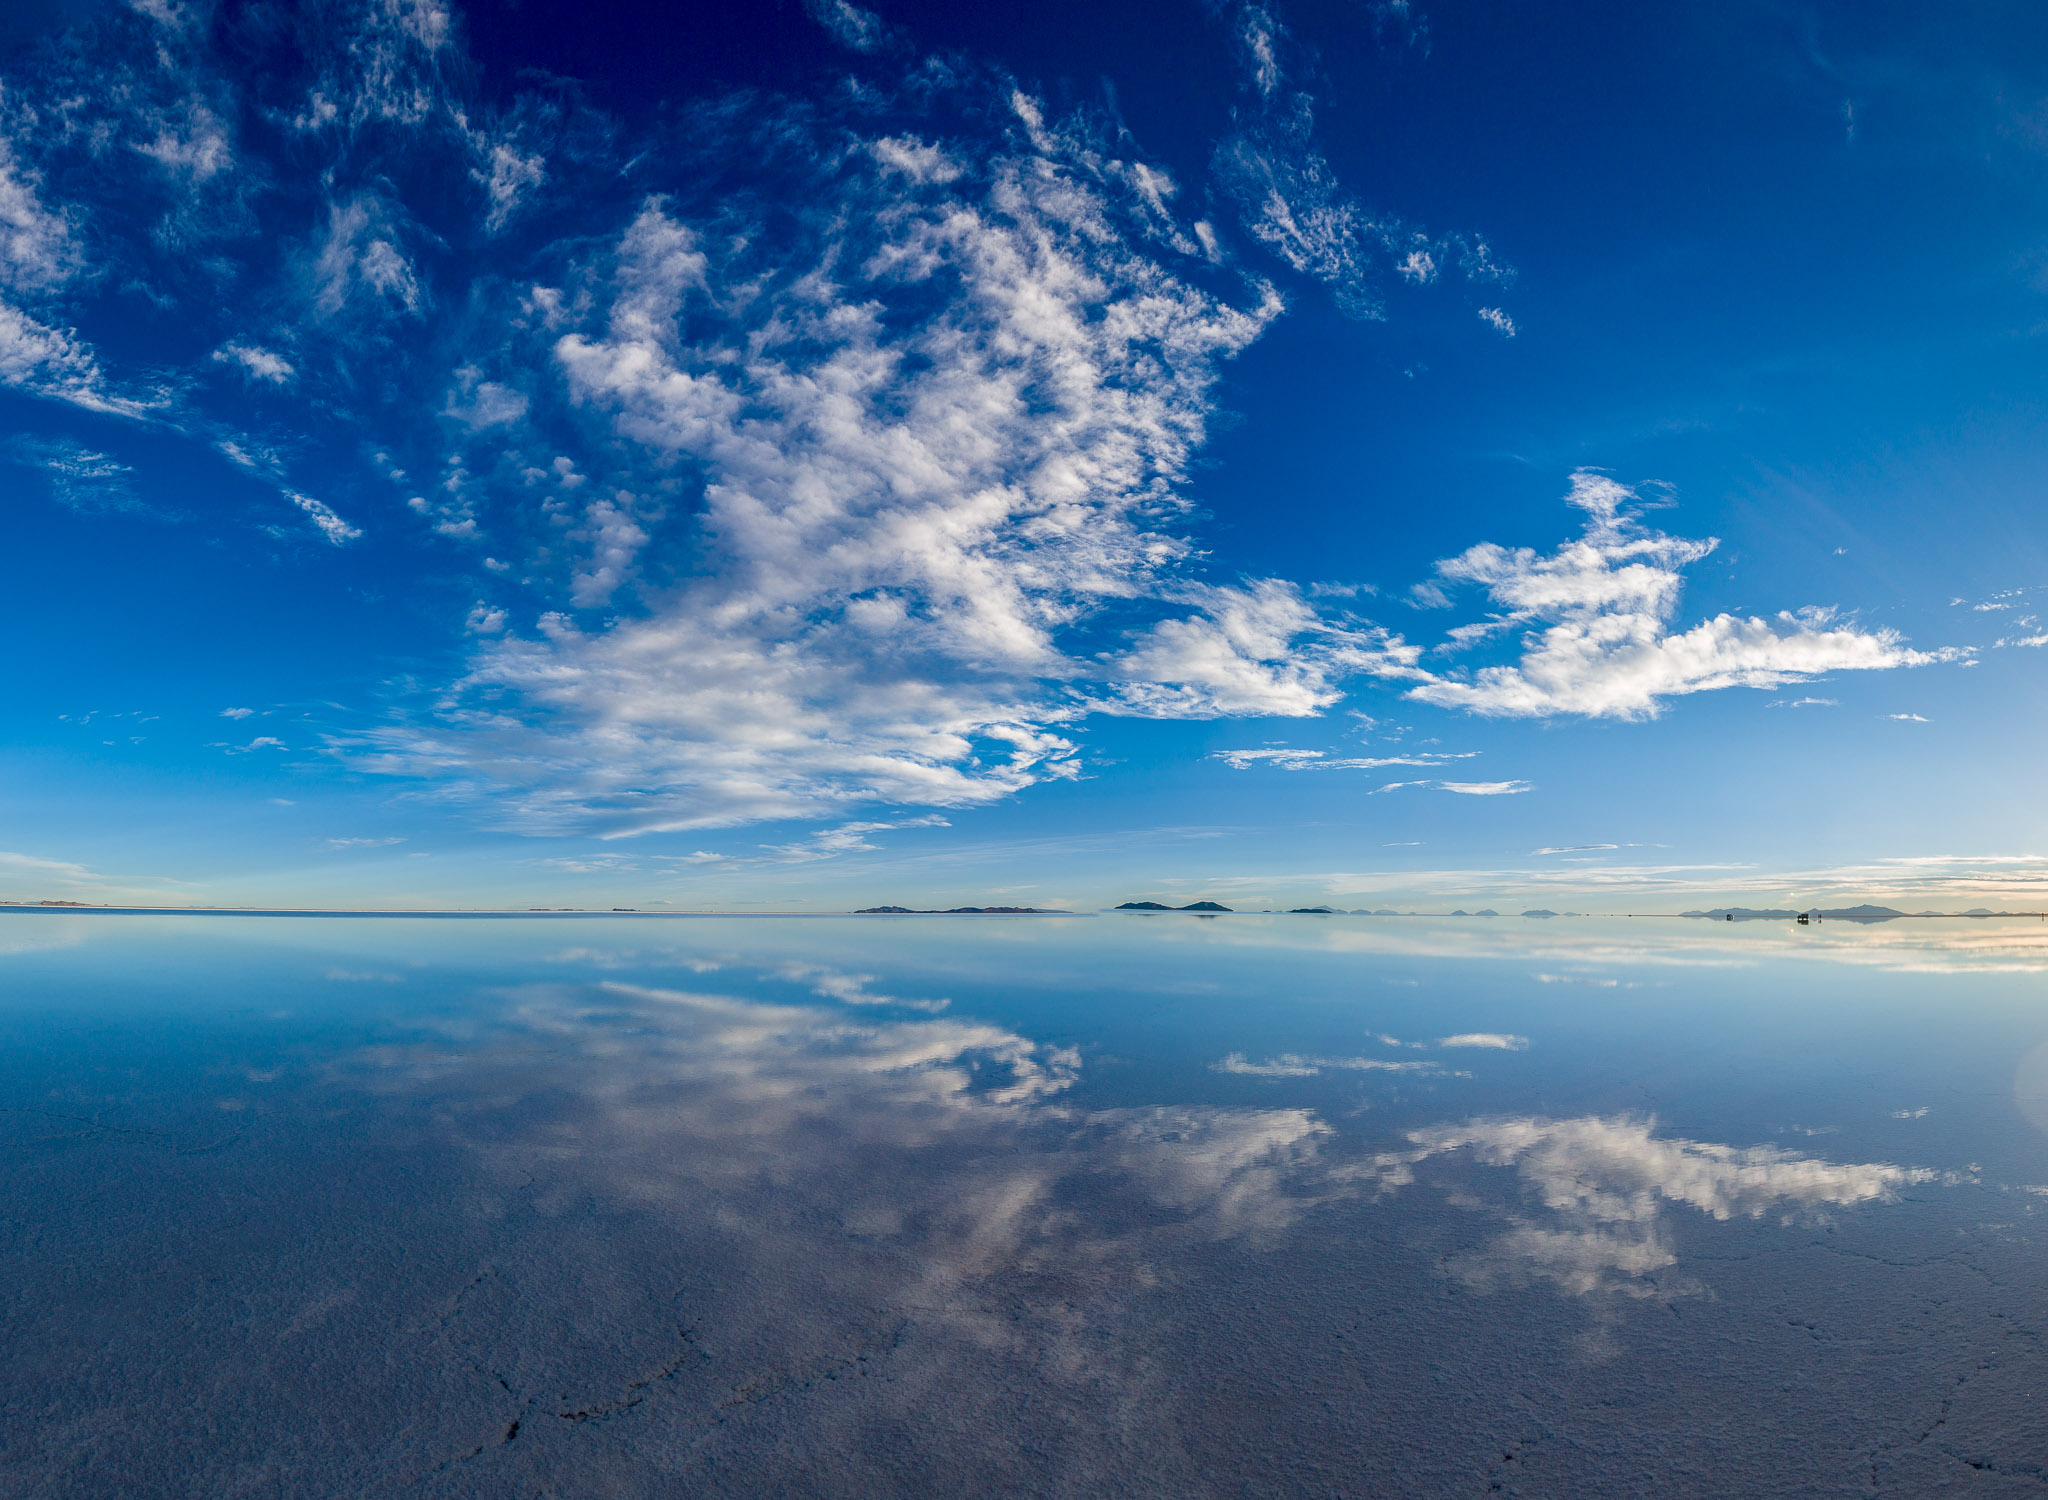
point(1158, 906)
point(961, 911)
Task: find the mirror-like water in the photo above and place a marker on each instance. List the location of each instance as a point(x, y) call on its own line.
point(958, 1206)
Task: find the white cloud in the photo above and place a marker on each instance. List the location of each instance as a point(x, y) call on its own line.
point(1499, 320)
point(363, 843)
point(1598, 612)
point(1498, 1040)
point(1908, 718)
point(852, 27)
point(54, 363)
point(1317, 760)
point(614, 540)
point(323, 518)
point(478, 403)
point(359, 262)
point(1294, 1065)
point(1289, 198)
point(191, 146)
point(256, 363)
point(846, 838)
point(36, 246)
point(1259, 650)
point(939, 441)
point(1463, 788)
point(236, 713)
point(80, 478)
point(509, 177)
point(61, 870)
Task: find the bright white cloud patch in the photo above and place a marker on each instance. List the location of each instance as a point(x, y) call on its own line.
point(255, 363)
point(1596, 1193)
point(938, 439)
point(1499, 1041)
point(323, 518)
point(36, 248)
point(1597, 614)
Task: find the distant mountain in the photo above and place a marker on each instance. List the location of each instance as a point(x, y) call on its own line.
point(1539, 913)
point(1313, 911)
point(1204, 906)
point(961, 911)
point(1160, 906)
point(1461, 913)
point(1486, 912)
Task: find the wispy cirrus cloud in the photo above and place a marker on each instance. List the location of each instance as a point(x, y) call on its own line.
point(1289, 198)
point(1282, 759)
point(859, 480)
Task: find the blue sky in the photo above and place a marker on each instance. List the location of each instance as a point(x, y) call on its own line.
point(802, 457)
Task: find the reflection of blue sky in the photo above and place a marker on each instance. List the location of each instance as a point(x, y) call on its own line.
point(760, 1146)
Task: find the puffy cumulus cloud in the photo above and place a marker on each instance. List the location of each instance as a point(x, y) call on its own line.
point(919, 449)
point(1260, 650)
point(1598, 615)
point(1596, 1193)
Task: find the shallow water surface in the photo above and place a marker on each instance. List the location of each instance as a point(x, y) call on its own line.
point(1144, 1205)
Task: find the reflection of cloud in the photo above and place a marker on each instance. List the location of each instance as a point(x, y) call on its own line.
point(850, 989)
point(1606, 1185)
point(714, 1091)
point(826, 1188)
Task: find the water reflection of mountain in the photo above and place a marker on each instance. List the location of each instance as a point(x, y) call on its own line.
point(1863, 913)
